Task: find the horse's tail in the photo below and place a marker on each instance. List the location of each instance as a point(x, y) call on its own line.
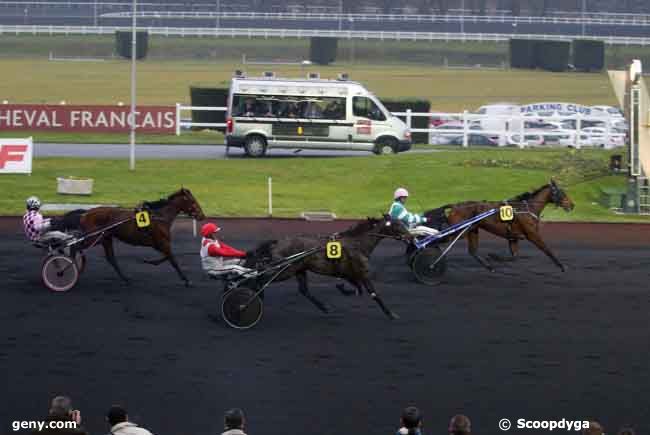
point(437, 217)
point(262, 254)
point(71, 221)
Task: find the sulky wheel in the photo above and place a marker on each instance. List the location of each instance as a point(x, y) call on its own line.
point(241, 308)
point(59, 273)
point(423, 268)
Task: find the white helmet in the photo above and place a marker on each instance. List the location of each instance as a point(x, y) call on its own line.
point(400, 192)
point(33, 203)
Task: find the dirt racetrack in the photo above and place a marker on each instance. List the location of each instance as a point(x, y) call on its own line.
point(525, 342)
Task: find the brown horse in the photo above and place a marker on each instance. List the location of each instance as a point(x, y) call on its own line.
point(357, 245)
point(525, 225)
point(157, 235)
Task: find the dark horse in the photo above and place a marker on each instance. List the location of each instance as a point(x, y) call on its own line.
point(525, 225)
point(357, 244)
point(157, 235)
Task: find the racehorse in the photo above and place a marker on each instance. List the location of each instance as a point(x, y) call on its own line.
point(357, 244)
point(157, 235)
point(525, 225)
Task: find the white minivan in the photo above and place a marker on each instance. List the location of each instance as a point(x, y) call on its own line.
point(271, 112)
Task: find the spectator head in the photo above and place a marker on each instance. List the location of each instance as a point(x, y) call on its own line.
point(460, 425)
point(61, 406)
point(411, 420)
point(116, 415)
point(594, 429)
point(626, 431)
point(234, 419)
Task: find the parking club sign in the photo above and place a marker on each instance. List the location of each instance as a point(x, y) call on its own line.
point(16, 156)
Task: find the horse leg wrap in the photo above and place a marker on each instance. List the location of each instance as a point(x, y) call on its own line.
point(373, 295)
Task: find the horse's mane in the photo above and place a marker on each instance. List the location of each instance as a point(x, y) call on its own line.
point(360, 228)
point(158, 204)
point(528, 195)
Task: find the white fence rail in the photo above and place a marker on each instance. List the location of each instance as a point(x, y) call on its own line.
point(635, 20)
point(302, 33)
point(519, 129)
point(187, 122)
point(501, 130)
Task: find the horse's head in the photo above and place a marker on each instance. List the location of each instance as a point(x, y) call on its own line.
point(186, 203)
point(389, 227)
point(559, 197)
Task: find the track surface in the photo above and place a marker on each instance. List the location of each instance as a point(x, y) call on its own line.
point(524, 342)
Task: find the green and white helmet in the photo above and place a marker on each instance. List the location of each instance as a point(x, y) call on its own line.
point(33, 203)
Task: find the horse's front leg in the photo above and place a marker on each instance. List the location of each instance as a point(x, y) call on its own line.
point(163, 245)
point(472, 247)
point(302, 287)
point(107, 243)
point(373, 294)
point(536, 240)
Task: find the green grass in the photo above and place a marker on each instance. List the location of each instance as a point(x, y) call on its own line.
point(163, 83)
point(349, 187)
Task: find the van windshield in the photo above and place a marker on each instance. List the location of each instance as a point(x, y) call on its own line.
point(288, 106)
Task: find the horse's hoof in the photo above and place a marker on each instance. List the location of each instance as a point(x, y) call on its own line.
point(189, 284)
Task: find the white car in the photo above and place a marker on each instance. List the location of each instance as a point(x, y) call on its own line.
point(595, 137)
point(530, 140)
point(445, 133)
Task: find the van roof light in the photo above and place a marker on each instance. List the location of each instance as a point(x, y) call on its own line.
point(240, 73)
point(269, 74)
point(313, 76)
point(343, 76)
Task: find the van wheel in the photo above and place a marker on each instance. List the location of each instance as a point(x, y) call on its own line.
point(255, 146)
point(386, 146)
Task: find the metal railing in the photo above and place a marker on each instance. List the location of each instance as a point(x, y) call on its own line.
point(303, 33)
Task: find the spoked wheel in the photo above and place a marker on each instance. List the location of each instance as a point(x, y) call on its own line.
point(241, 308)
point(423, 265)
point(59, 273)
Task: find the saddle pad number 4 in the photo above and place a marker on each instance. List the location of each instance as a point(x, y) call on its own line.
point(506, 213)
point(334, 250)
point(142, 219)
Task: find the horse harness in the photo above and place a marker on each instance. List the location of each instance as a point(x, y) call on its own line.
point(509, 234)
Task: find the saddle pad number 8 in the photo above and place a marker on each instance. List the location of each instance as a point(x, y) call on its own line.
point(142, 219)
point(506, 213)
point(334, 250)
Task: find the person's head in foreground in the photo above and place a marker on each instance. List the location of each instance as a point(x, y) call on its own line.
point(460, 425)
point(594, 429)
point(234, 420)
point(411, 421)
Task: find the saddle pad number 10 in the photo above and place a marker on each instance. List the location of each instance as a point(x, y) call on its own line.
point(142, 219)
point(506, 213)
point(334, 250)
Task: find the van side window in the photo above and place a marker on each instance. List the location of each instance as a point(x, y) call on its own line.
point(364, 107)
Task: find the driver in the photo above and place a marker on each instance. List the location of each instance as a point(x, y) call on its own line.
point(38, 229)
point(217, 258)
point(412, 221)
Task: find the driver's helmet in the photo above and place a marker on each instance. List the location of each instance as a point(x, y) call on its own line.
point(400, 192)
point(209, 229)
point(33, 203)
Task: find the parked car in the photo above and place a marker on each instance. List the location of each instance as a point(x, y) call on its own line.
point(475, 140)
point(530, 140)
point(443, 134)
